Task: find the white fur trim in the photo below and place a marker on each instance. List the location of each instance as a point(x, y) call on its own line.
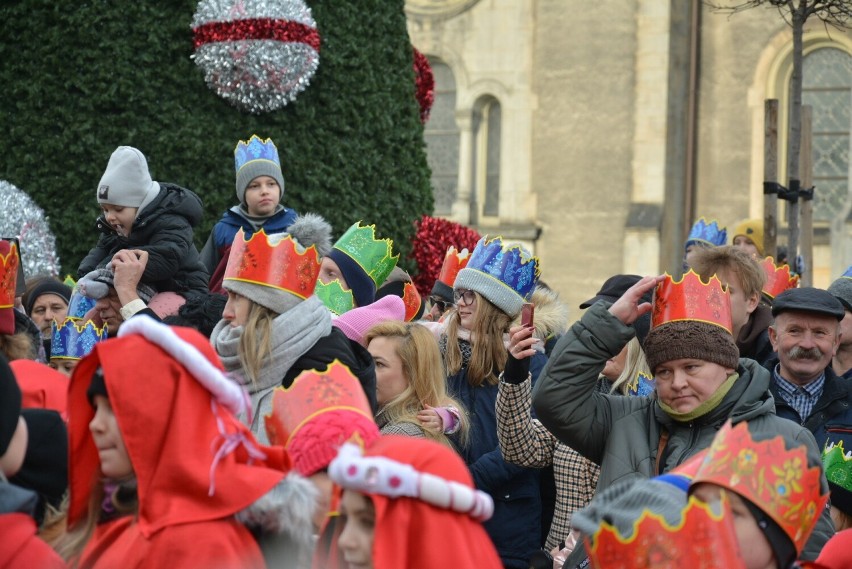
point(225, 391)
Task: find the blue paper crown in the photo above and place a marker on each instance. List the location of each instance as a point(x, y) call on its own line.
point(643, 385)
point(79, 305)
point(709, 233)
point(255, 149)
point(75, 338)
point(848, 273)
point(512, 265)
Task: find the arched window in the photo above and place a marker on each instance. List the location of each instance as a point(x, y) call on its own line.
point(827, 88)
point(486, 156)
point(441, 135)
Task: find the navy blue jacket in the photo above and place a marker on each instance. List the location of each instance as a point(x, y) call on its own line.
point(831, 418)
point(515, 527)
point(226, 229)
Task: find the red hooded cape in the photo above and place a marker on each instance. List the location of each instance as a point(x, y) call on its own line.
point(171, 427)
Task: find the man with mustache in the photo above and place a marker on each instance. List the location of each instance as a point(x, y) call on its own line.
point(805, 337)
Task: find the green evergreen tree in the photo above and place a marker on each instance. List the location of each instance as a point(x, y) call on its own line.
point(80, 79)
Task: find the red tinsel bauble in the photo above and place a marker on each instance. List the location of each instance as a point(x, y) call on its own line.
point(424, 80)
point(434, 235)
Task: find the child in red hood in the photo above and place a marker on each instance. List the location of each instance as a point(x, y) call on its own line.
point(162, 474)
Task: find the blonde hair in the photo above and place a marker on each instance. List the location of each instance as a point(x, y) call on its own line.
point(256, 340)
point(488, 351)
point(418, 350)
point(633, 364)
point(17, 346)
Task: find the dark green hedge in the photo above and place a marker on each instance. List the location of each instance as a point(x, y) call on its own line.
point(79, 79)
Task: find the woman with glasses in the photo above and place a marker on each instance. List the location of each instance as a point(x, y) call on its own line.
point(489, 293)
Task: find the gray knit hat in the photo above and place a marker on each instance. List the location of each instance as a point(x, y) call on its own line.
point(682, 339)
point(96, 285)
point(841, 289)
point(126, 181)
point(306, 230)
point(256, 158)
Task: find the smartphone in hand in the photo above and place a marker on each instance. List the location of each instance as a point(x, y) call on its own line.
point(527, 315)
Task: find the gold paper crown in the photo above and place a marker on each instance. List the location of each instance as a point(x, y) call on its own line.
point(770, 476)
point(703, 538)
point(8, 273)
point(778, 279)
point(692, 299)
point(280, 266)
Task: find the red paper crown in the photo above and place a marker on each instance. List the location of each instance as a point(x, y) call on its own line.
point(778, 279)
point(692, 299)
point(454, 261)
point(8, 273)
point(769, 475)
point(317, 414)
point(280, 266)
point(411, 299)
point(704, 538)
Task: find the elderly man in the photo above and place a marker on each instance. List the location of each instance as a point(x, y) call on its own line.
point(45, 302)
point(842, 291)
point(805, 336)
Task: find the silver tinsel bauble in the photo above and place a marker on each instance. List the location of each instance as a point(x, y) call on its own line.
point(22, 218)
point(258, 55)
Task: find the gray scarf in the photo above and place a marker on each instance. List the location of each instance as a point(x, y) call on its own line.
point(292, 335)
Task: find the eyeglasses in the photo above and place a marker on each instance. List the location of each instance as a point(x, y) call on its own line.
point(468, 296)
point(440, 303)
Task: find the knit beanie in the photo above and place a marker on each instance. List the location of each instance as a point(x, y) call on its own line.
point(356, 322)
point(306, 230)
point(681, 339)
point(753, 229)
point(96, 284)
point(362, 286)
point(47, 286)
point(256, 158)
point(10, 405)
point(841, 289)
point(126, 181)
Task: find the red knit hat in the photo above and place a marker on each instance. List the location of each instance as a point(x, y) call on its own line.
point(317, 414)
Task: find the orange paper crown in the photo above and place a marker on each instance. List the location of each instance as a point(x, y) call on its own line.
point(778, 279)
point(317, 414)
point(766, 473)
point(411, 299)
point(454, 261)
point(8, 273)
point(692, 299)
point(278, 265)
point(704, 539)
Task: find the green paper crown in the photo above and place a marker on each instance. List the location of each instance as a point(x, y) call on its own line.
point(838, 465)
point(373, 255)
point(336, 299)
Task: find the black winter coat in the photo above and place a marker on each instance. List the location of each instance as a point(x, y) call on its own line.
point(164, 230)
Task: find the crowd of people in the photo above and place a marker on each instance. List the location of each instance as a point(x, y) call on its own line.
point(286, 399)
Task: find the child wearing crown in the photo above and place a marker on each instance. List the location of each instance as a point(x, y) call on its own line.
point(139, 213)
point(260, 188)
point(700, 383)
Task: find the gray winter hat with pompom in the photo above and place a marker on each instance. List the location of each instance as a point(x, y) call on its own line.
point(308, 229)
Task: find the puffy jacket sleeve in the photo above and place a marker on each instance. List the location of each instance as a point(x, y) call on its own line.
point(210, 253)
point(565, 399)
point(167, 247)
point(96, 255)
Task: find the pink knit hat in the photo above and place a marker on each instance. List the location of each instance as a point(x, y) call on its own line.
point(166, 303)
point(358, 321)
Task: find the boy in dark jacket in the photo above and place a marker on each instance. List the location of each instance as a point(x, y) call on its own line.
point(260, 187)
point(139, 213)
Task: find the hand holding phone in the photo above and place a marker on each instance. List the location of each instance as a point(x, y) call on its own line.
point(527, 315)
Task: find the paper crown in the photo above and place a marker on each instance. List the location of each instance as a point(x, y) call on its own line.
point(79, 304)
point(454, 261)
point(778, 279)
point(838, 466)
point(8, 273)
point(510, 265)
point(848, 273)
point(412, 300)
point(776, 479)
point(336, 299)
point(704, 537)
point(707, 232)
point(255, 149)
point(278, 265)
point(374, 256)
point(642, 385)
point(692, 299)
point(318, 413)
point(75, 338)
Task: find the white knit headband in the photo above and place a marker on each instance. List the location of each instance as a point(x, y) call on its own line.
point(379, 475)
